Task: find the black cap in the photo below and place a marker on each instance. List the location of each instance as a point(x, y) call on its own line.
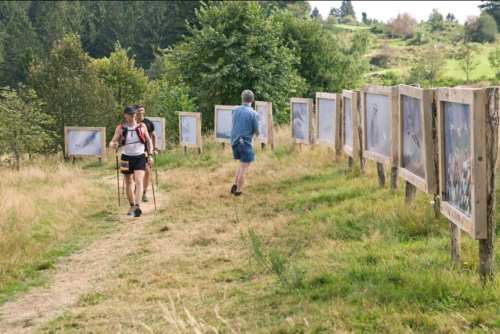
point(129, 110)
point(138, 105)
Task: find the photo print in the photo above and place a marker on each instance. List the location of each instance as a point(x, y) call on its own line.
point(188, 129)
point(263, 121)
point(84, 142)
point(299, 121)
point(413, 150)
point(326, 120)
point(457, 156)
point(348, 140)
point(378, 132)
point(224, 123)
point(159, 133)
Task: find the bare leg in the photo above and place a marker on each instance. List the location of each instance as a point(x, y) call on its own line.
point(128, 187)
point(237, 175)
point(242, 175)
point(139, 184)
point(147, 177)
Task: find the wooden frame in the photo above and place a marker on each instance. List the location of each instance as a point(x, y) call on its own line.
point(198, 129)
point(338, 126)
point(270, 125)
point(475, 225)
point(309, 103)
point(392, 94)
point(428, 183)
point(77, 128)
point(353, 151)
point(216, 114)
point(162, 145)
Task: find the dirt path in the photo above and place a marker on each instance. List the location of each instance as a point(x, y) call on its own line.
point(77, 274)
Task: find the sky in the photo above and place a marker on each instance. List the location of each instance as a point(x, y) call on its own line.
point(420, 10)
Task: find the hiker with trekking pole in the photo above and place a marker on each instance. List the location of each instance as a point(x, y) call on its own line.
point(134, 137)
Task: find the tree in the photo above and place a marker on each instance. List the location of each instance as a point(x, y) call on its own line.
point(492, 8)
point(467, 61)
point(70, 89)
point(480, 29)
point(436, 20)
point(235, 48)
point(365, 19)
point(349, 20)
point(347, 9)
point(494, 59)
point(450, 18)
point(404, 25)
point(314, 13)
point(335, 12)
point(23, 124)
point(430, 65)
point(118, 72)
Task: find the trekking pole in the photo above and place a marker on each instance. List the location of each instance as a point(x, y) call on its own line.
point(118, 177)
point(153, 188)
point(156, 171)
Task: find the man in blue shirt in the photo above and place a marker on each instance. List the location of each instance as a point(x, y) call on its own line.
point(245, 125)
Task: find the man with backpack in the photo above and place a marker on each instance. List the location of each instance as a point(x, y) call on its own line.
point(139, 108)
point(134, 137)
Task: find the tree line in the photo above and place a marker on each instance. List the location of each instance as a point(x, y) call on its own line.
point(79, 63)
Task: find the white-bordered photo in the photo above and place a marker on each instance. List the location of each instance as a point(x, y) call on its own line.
point(190, 129)
point(85, 141)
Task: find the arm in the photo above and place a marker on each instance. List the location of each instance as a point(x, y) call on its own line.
point(149, 143)
point(155, 142)
point(256, 128)
point(114, 143)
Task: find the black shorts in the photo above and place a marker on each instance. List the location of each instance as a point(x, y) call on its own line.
point(129, 164)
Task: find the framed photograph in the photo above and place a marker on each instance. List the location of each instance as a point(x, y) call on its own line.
point(416, 163)
point(328, 124)
point(190, 129)
point(350, 123)
point(301, 120)
point(85, 141)
point(462, 158)
point(159, 124)
point(223, 123)
point(380, 121)
point(265, 111)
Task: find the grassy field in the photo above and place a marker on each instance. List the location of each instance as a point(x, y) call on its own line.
point(311, 247)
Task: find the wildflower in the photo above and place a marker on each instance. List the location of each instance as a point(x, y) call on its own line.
point(432, 202)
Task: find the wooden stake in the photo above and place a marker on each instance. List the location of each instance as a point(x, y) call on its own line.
point(262, 146)
point(487, 246)
point(394, 178)
point(100, 161)
point(185, 150)
point(410, 193)
point(362, 160)
point(381, 174)
point(223, 146)
point(455, 244)
point(74, 161)
point(199, 152)
point(351, 163)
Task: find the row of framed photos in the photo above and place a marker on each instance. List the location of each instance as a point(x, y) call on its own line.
point(397, 129)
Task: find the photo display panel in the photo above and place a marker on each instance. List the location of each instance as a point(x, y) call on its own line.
point(224, 123)
point(378, 132)
point(457, 156)
point(263, 122)
point(84, 142)
point(326, 120)
point(159, 133)
point(413, 149)
point(348, 140)
point(188, 129)
point(300, 122)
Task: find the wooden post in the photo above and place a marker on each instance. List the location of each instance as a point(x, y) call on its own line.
point(272, 146)
point(394, 178)
point(100, 161)
point(410, 193)
point(186, 150)
point(381, 174)
point(223, 146)
point(487, 246)
point(263, 146)
point(74, 161)
point(455, 244)
point(437, 199)
point(351, 163)
point(199, 152)
point(362, 160)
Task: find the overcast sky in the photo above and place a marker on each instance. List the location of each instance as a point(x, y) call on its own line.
point(384, 10)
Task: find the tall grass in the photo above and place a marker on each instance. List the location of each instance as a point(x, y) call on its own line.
point(43, 209)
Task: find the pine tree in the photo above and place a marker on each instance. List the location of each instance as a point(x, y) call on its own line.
point(347, 9)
